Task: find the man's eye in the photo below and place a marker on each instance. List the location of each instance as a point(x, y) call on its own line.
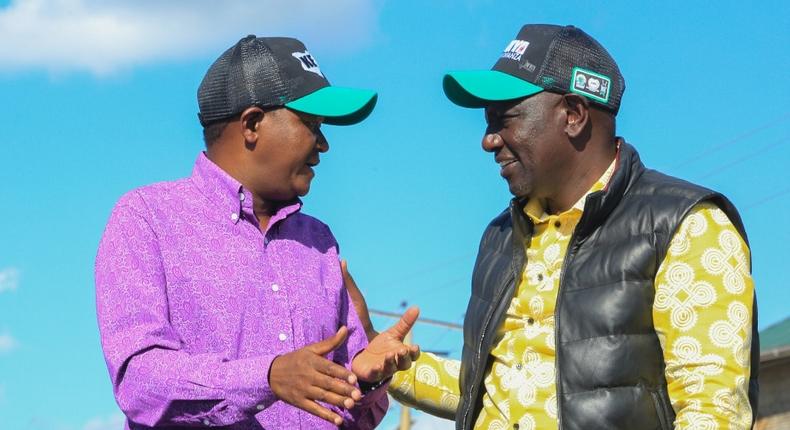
point(312, 125)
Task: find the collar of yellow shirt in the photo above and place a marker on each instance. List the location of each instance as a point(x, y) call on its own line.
point(535, 209)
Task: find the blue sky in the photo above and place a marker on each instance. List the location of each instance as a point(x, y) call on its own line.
point(99, 98)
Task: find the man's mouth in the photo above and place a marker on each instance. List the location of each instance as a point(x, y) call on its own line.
point(506, 162)
point(504, 171)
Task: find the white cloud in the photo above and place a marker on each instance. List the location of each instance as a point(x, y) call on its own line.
point(9, 277)
point(102, 36)
point(7, 343)
point(111, 422)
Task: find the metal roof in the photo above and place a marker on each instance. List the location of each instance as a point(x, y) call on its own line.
point(775, 336)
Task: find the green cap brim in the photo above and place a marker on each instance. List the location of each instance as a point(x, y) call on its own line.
point(478, 88)
point(338, 105)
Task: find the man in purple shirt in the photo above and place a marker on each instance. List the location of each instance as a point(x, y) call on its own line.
point(219, 302)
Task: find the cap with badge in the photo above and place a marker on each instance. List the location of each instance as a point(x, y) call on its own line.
point(275, 72)
point(542, 57)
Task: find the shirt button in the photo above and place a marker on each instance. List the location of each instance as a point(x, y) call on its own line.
point(241, 197)
point(557, 224)
point(206, 422)
point(515, 426)
point(234, 216)
point(519, 366)
point(530, 321)
point(260, 407)
point(275, 287)
point(540, 276)
point(282, 337)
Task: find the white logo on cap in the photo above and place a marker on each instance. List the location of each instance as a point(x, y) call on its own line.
point(308, 62)
point(593, 84)
point(515, 49)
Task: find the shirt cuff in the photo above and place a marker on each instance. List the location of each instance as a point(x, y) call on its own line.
point(371, 393)
point(255, 394)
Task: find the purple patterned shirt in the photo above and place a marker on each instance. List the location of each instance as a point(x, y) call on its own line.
point(194, 302)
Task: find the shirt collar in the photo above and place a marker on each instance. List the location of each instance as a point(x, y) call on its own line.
point(227, 194)
point(535, 209)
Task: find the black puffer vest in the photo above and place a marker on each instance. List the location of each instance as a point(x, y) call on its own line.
point(610, 367)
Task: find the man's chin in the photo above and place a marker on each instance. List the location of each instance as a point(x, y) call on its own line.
point(302, 190)
point(518, 190)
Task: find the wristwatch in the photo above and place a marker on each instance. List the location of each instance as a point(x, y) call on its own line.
point(367, 387)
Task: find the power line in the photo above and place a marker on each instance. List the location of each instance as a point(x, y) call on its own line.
point(768, 198)
point(406, 420)
point(745, 157)
point(444, 286)
point(773, 123)
point(428, 321)
point(433, 267)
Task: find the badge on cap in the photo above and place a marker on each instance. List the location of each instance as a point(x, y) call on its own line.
point(590, 84)
point(308, 62)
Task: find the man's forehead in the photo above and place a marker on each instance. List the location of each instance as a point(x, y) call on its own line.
point(307, 117)
point(518, 105)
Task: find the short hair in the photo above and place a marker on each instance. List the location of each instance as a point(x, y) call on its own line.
point(212, 131)
point(609, 124)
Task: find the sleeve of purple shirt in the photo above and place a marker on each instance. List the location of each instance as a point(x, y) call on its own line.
point(154, 381)
point(369, 412)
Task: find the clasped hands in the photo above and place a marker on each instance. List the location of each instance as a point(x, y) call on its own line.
point(304, 377)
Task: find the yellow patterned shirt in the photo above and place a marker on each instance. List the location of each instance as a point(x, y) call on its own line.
point(702, 315)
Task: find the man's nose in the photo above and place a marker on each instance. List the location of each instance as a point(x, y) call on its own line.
point(321, 142)
point(491, 142)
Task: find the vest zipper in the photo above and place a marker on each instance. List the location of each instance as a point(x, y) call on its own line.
point(660, 409)
point(480, 347)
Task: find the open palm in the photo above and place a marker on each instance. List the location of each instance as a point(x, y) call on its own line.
point(386, 353)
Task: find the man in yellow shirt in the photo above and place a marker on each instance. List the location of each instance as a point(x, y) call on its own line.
point(607, 296)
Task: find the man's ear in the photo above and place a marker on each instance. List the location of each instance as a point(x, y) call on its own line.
point(577, 114)
point(250, 122)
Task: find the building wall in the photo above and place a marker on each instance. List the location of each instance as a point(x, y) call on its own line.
point(774, 404)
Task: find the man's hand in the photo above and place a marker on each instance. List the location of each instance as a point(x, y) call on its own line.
point(358, 300)
point(386, 353)
point(304, 376)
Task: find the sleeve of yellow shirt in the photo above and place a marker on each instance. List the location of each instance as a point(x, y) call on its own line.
point(703, 317)
point(430, 385)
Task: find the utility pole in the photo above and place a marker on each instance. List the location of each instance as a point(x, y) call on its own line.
point(405, 411)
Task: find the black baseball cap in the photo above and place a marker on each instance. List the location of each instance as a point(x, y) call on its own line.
point(542, 57)
point(276, 72)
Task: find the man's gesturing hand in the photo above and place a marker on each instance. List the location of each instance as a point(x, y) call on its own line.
point(386, 352)
point(304, 376)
